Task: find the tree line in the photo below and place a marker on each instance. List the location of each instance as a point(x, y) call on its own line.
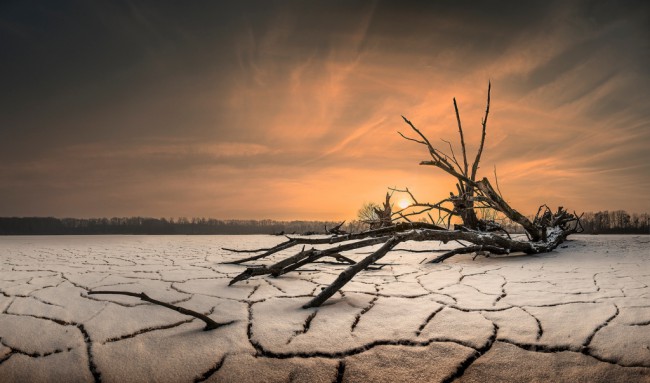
point(607, 222)
point(145, 225)
point(601, 222)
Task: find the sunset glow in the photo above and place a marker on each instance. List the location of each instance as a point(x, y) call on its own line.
point(291, 110)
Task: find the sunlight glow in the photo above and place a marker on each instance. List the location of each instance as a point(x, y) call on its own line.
point(403, 204)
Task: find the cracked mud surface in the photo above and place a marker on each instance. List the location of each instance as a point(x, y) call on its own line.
point(578, 314)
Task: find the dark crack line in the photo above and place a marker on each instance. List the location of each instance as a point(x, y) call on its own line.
point(503, 291)
point(540, 329)
point(97, 376)
point(15, 350)
point(55, 320)
point(595, 282)
point(108, 300)
point(305, 328)
point(555, 349)
point(370, 305)
point(261, 351)
point(9, 355)
point(640, 323)
point(189, 297)
point(274, 286)
point(146, 330)
point(472, 358)
point(340, 372)
point(253, 292)
point(587, 342)
point(426, 321)
point(6, 309)
point(249, 327)
point(567, 303)
point(203, 377)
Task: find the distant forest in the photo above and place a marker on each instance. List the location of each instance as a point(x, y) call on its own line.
point(143, 225)
point(608, 222)
point(602, 222)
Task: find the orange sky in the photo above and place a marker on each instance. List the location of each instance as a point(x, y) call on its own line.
point(290, 110)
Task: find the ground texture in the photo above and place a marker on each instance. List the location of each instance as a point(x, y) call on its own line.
point(579, 314)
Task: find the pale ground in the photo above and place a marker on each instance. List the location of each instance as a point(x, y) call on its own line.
point(580, 314)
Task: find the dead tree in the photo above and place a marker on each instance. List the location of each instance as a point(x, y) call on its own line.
point(384, 215)
point(545, 232)
point(376, 216)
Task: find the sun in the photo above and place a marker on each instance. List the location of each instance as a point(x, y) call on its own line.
point(403, 204)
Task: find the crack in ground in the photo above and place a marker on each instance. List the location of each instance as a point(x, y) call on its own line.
point(30, 354)
point(274, 286)
point(340, 371)
point(503, 290)
point(585, 345)
point(555, 349)
point(370, 305)
point(97, 376)
point(146, 330)
point(253, 292)
point(540, 329)
point(426, 321)
point(640, 323)
point(9, 355)
point(305, 328)
point(55, 320)
point(108, 300)
point(472, 358)
point(261, 351)
point(581, 349)
point(203, 377)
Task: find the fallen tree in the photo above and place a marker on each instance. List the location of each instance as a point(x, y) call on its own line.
point(545, 231)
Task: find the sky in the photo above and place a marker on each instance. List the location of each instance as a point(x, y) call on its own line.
point(290, 109)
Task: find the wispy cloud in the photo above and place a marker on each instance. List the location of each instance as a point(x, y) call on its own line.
point(291, 110)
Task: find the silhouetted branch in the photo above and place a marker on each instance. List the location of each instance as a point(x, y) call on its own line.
point(484, 123)
point(462, 139)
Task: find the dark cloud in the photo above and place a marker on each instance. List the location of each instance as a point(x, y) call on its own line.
point(166, 108)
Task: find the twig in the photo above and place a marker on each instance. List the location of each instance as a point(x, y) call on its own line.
point(480, 148)
point(496, 181)
point(209, 323)
point(462, 140)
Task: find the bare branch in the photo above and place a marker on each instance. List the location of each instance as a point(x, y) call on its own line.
point(351, 271)
point(209, 323)
point(449, 170)
point(480, 148)
point(453, 156)
point(468, 250)
point(496, 180)
point(405, 191)
point(462, 139)
point(411, 139)
point(440, 160)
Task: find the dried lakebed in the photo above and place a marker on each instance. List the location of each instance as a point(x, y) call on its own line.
point(581, 313)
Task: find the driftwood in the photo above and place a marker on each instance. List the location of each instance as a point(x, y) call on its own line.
point(209, 323)
point(545, 232)
point(391, 237)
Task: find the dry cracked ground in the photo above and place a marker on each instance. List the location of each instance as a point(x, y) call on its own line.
point(581, 313)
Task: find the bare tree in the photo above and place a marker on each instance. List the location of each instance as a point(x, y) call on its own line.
point(367, 214)
point(545, 232)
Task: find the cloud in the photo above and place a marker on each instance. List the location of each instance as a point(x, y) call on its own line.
point(156, 109)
